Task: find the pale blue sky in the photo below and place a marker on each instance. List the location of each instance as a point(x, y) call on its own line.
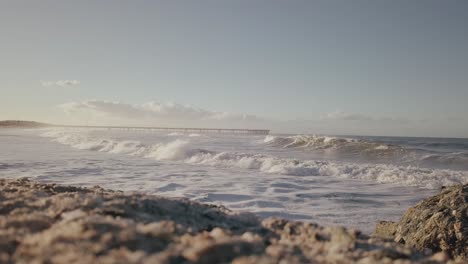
point(342, 67)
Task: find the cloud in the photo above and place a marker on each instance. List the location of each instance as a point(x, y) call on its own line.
point(61, 83)
point(101, 112)
point(340, 115)
point(363, 118)
point(155, 111)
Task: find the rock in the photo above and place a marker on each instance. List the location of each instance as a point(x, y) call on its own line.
point(441, 256)
point(439, 223)
point(385, 229)
point(46, 223)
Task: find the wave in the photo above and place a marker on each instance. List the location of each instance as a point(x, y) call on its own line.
point(325, 142)
point(447, 145)
point(181, 151)
point(84, 142)
point(448, 158)
point(175, 134)
point(179, 134)
point(361, 149)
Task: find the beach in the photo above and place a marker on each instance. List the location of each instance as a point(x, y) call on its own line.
point(329, 180)
point(50, 223)
point(98, 196)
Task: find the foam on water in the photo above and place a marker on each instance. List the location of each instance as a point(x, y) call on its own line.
point(451, 155)
point(303, 178)
point(175, 134)
point(181, 150)
point(309, 141)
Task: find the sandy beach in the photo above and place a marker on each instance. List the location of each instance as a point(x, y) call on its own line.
point(49, 223)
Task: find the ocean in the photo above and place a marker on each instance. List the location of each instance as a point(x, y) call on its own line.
point(331, 180)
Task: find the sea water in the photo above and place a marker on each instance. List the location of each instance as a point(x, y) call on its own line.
point(332, 180)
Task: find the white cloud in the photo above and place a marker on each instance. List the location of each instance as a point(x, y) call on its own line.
point(362, 118)
point(61, 83)
point(340, 115)
point(166, 113)
point(101, 112)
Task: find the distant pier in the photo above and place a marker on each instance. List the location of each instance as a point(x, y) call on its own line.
point(179, 129)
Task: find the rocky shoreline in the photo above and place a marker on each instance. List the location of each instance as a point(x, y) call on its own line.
point(48, 223)
point(438, 223)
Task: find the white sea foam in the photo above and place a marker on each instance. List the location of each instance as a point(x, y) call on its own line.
point(175, 134)
point(382, 147)
point(179, 134)
point(240, 172)
point(182, 151)
point(174, 150)
point(308, 141)
point(383, 173)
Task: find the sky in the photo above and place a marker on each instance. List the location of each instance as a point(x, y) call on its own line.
point(363, 67)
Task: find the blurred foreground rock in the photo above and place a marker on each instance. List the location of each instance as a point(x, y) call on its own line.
point(439, 223)
point(46, 223)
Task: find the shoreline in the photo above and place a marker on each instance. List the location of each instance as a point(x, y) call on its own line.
point(66, 224)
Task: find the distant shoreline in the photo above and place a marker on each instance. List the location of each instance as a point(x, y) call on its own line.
point(22, 124)
point(34, 124)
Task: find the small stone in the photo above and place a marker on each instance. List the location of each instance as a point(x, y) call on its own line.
point(441, 257)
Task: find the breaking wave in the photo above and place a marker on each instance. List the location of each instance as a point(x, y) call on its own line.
point(325, 142)
point(180, 150)
point(366, 150)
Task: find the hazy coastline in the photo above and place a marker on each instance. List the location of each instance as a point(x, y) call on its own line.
point(22, 124)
